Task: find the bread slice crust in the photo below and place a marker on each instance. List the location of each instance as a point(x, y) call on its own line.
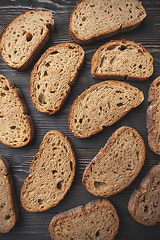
point(82, 222)
point(30, 36)
point(8, 202)
point(122, 59)
point(144, 202)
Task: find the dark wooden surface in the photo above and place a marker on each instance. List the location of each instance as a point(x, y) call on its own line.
point(34, 226)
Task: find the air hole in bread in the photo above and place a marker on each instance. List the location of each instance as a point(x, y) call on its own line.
point(7, 217)
point(41, 31)
point(54, 171)
point(122, 47)
point(9, 55)
point(97, 233)
point(59, 185)
point(145, 208)
point(112, 60)
point(99, 184)
point(140, 66)
point(25, 139)
point(13, 127)
point(45, 73)
point(3, 94)
point(71, 166)
point(54, 52)
point(119, 104)
point(84, 19)
point(40, 201)
point(112, 47)
point(41, 98)
point(29, 37)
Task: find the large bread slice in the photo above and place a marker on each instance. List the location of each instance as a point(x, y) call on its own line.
point(51, 173)
point(97, 220)
point(24, 37)
point(53, 75)
point(153, 123)
point(95, 19)
point(16, 126)
point(122, 59)
point(8, 202)
point(144, 203)
point(102, 105)
point(117, 164)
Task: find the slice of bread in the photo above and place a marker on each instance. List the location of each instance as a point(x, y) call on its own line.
point(51, 173)
point(117, 164)
point(16, 126)
point(95, 19)
point(97, 220)
point(8, 201)
point(153, 123)
point(122, 59)
point(24, 37)
point(102, 105)
point(53, 75)
point(144, 203)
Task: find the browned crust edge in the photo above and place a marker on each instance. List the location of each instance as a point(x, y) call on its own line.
point(71, 80)
point(111, 139)
point(106, 76)
point(136, 194)
point(37, 48)
point(34, 159)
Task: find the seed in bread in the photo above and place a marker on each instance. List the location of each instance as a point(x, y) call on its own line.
point(122, 59)
point(144, 202)
point(16, 126)
point(8, 201)
point(97, 220)
point(51, 173)
point(53, 76)
point(24, 37)
point(117, 164)
point(95, 19)
point(102, 105)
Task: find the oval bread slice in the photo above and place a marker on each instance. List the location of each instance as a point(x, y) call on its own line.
point(53, 75)
point(117, 164)
point(102, 105)
point(24, 37)
point(97, 220)
point(51, 173)
point(122, 59)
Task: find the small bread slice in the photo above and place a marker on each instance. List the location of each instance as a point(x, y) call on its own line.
point(117, 164)
point(53, 76)
point(97, 220)
point(16, 126)
point(95, 19)
point(51, 173)
point(153, 123)
point(122, 59)
point(144, 203)
point(8, 201)
point(24, 37)
point(102, 105)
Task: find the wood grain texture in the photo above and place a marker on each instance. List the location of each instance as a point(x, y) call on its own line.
point(34, 226)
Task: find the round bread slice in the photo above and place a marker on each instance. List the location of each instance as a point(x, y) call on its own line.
point(24, 37)
point(16, 126)
point(51, 173)
point(97, 220)
point(53, 76)
point(102, 105)
point(122, 59)
point(144, 203)
point(117, 164)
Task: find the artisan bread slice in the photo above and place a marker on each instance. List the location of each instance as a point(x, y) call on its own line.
point(53, 75)
point(117, 164)
point(153, 123)
point(144, 203)
point(102, 105)
point(24, 37)
point(97, 220)
point(122, 59)
point(95, 19)
point(51, 173)
point(16, 126)
point(8, 202)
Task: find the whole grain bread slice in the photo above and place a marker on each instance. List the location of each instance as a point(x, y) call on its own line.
point(97, 220)
point(144, 202)
point(53, 76)
point(24, 37)
point(8, 201)
point(51, 173)
point(117, 164)
point(16, 126)
point(102, 105)
point(95, 19)
point(152, 118)
point(122, 59)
